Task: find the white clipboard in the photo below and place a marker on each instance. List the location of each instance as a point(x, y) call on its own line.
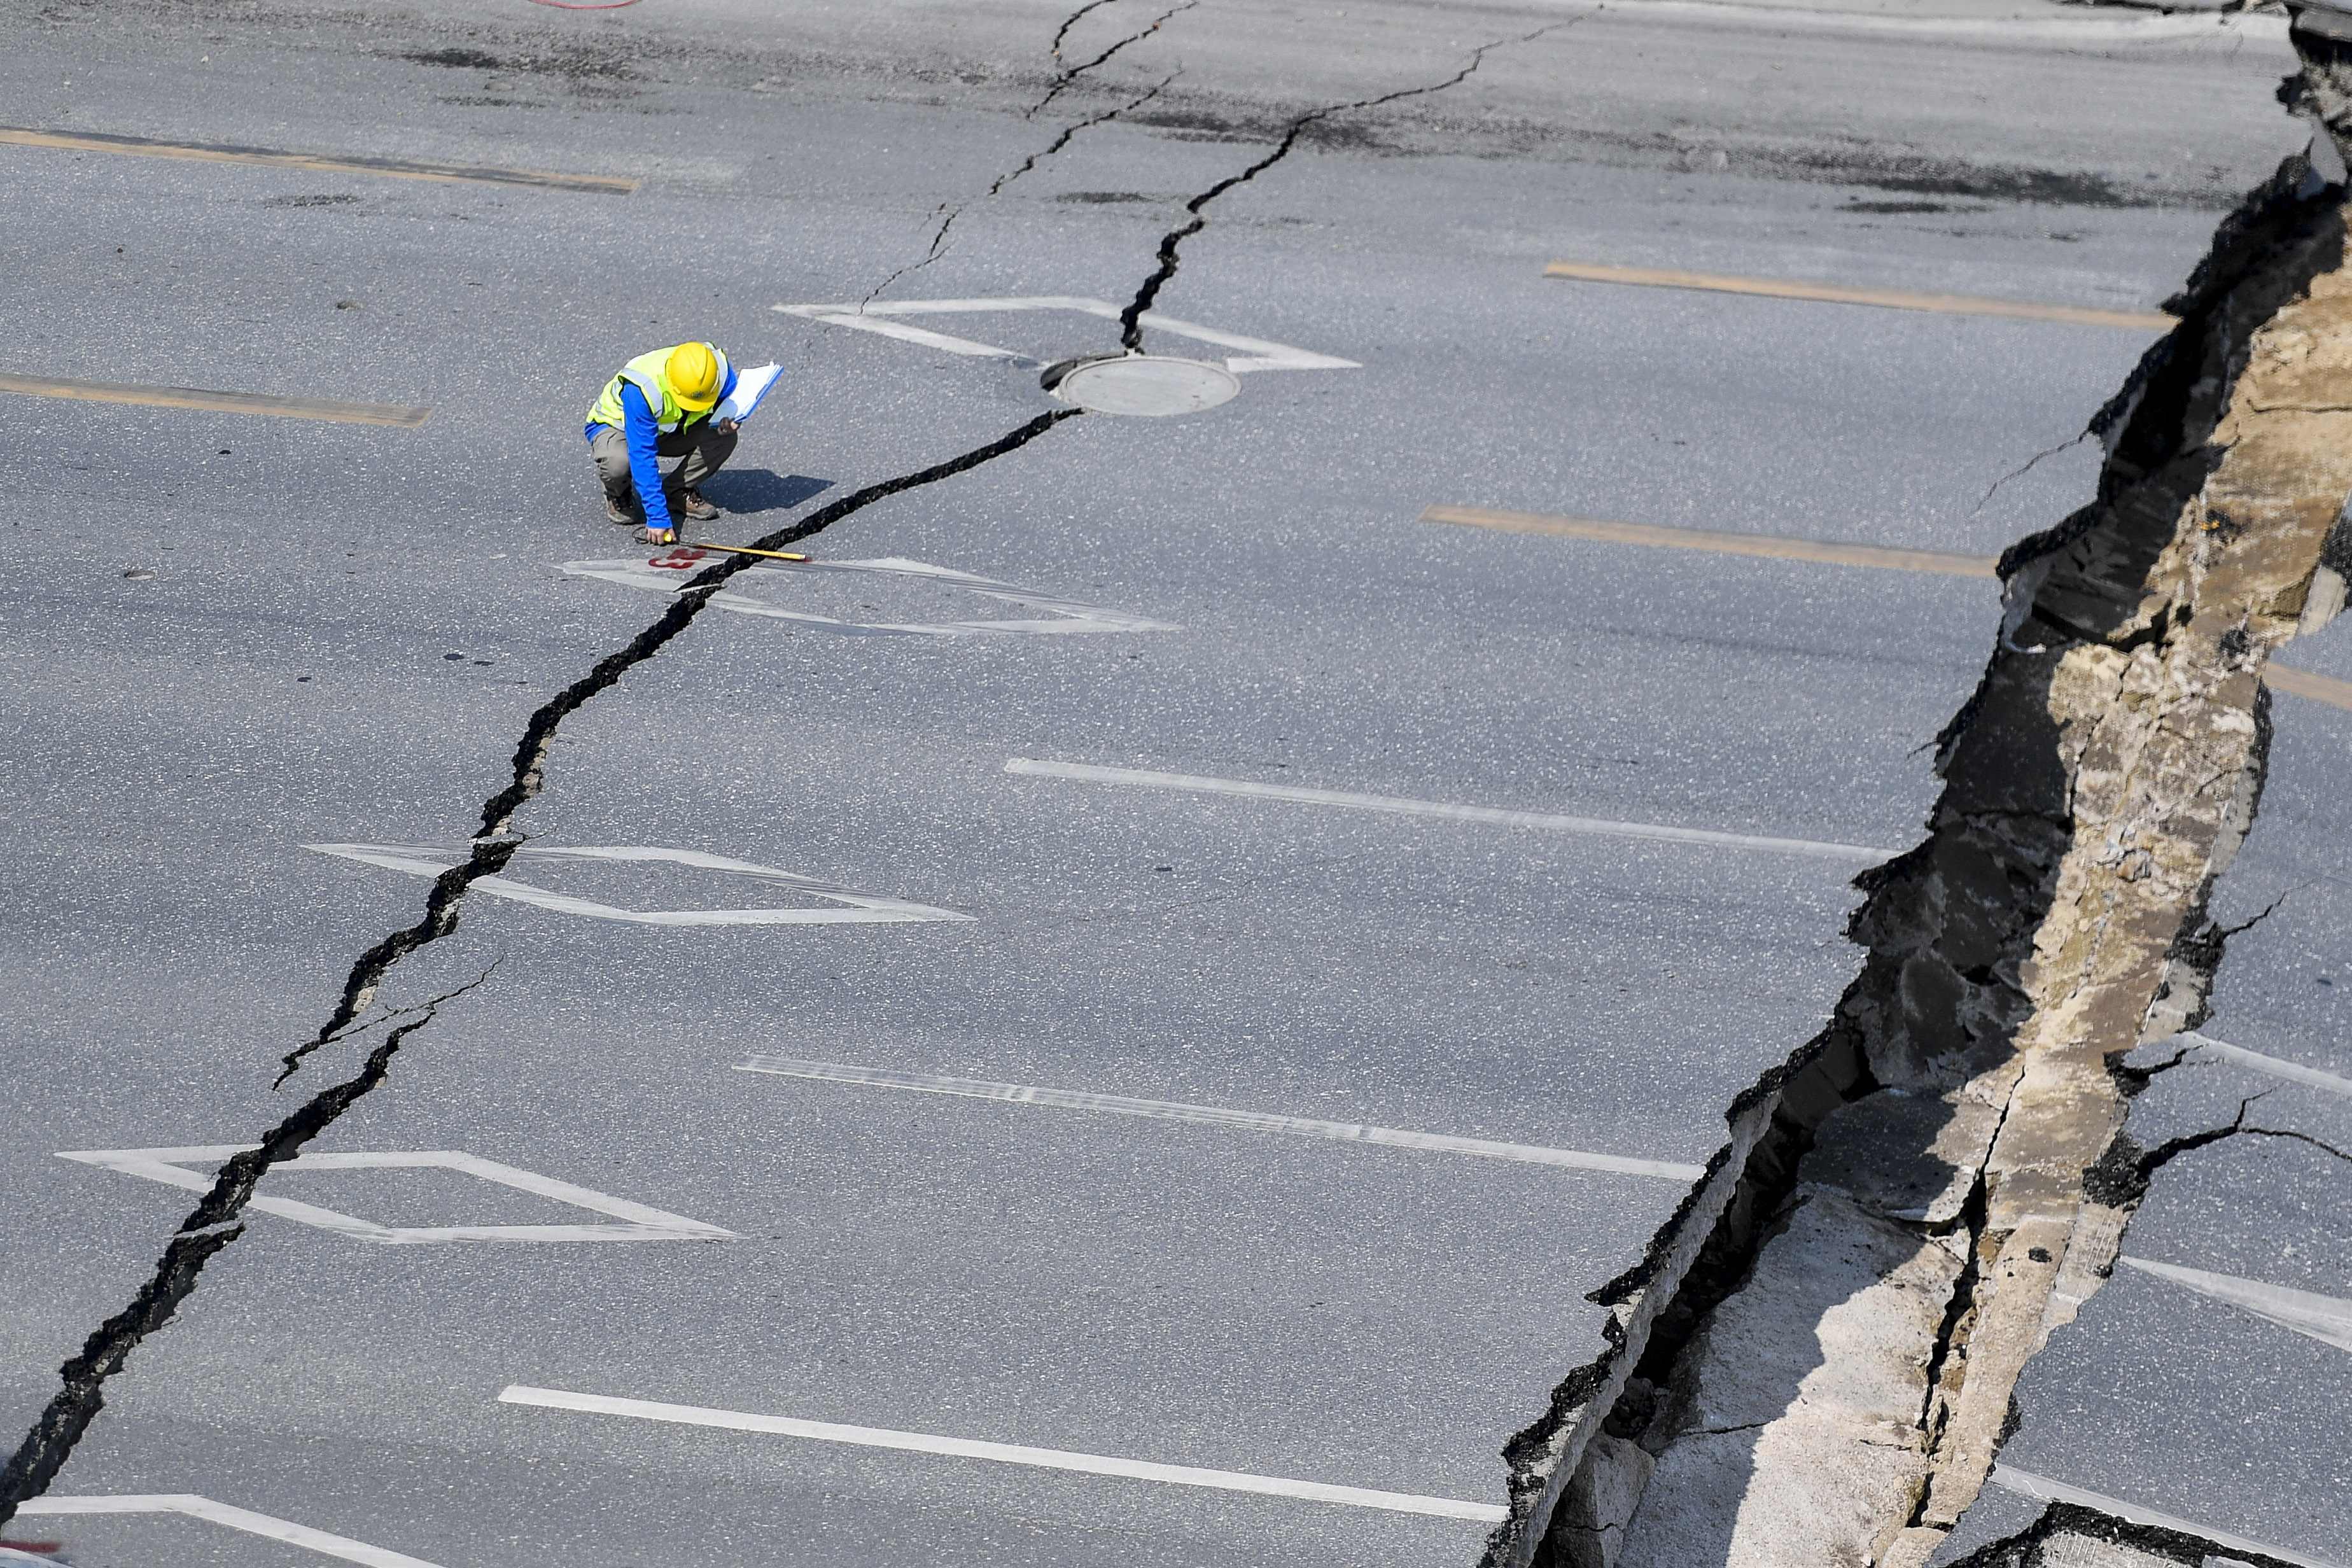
point(751, 388)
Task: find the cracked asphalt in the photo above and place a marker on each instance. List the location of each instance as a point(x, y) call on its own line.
point(232, 637)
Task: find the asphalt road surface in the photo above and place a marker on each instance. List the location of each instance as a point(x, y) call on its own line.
point(801, 1175)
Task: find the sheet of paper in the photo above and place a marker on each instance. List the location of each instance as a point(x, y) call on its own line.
point(751, 386)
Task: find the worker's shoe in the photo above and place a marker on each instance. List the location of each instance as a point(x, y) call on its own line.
point(691, 503)
point(622, 513)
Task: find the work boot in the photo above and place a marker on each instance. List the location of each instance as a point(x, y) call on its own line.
point(623, 513)
point(691, 503)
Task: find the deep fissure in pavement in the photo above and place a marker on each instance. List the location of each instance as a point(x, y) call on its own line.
point(1814, 1362)
point(1130, 319)
point(213, 1224)
point(207, 1231)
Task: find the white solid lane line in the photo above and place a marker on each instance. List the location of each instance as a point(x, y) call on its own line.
point(1216, 1116)
point(1005, 1453)
point(2043, 1489)
point(2290, 1072)
point(1144, 778)
point(2322, 1318)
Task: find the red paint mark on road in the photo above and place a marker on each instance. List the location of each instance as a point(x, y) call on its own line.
point(677, 560)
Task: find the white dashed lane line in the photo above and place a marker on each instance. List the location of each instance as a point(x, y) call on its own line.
point(2271, 1067)
point(2322, 1318)
point(1217, 1115)
point(1144, 778)
point(1006, 1454)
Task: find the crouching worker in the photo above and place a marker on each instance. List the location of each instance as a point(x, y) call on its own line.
point(659, 406)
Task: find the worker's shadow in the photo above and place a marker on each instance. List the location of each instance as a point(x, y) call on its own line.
point(761, 490)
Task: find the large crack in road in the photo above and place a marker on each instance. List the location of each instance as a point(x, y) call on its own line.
point(1062, 83)
point(947, 212)
point(1130, 319)
point(1815, 1361)
point(213, 1224)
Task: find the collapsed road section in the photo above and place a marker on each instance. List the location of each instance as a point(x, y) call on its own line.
point(1814, 1362)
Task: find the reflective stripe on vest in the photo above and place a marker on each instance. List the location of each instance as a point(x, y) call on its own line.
point(648, 373)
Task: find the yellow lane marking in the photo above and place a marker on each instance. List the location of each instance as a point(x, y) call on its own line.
point(1839, 294)
point(218, 402)
point(2277, 676)
point(395, 168)
point(1878, 555)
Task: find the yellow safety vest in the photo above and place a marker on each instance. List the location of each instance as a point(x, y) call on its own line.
point(645, 372)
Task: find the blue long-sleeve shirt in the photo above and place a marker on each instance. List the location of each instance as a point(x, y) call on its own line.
point(642, 431)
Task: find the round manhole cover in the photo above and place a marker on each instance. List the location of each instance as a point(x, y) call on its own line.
point(1149, 384)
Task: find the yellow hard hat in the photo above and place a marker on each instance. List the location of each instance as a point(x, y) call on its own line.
point(692, 372)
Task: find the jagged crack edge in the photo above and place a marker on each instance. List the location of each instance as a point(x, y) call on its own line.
point(1130, 328)
point(939, 236)
point(209, 1228)
point(2030, 464)
point(1071, 21)
point(1062, 83)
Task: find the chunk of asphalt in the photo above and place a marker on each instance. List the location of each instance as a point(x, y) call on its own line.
point(1998, 1515)
point(1908, 1155)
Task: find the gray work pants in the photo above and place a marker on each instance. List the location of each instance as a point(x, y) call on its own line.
point(703, 447)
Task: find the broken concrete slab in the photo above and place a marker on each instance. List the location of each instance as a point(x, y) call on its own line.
point(1719, 1497)
point(1871, 1294)
point(1775, 1448)
point(1998, 1516)
point(1600, 1502)
point(1905, 1154)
